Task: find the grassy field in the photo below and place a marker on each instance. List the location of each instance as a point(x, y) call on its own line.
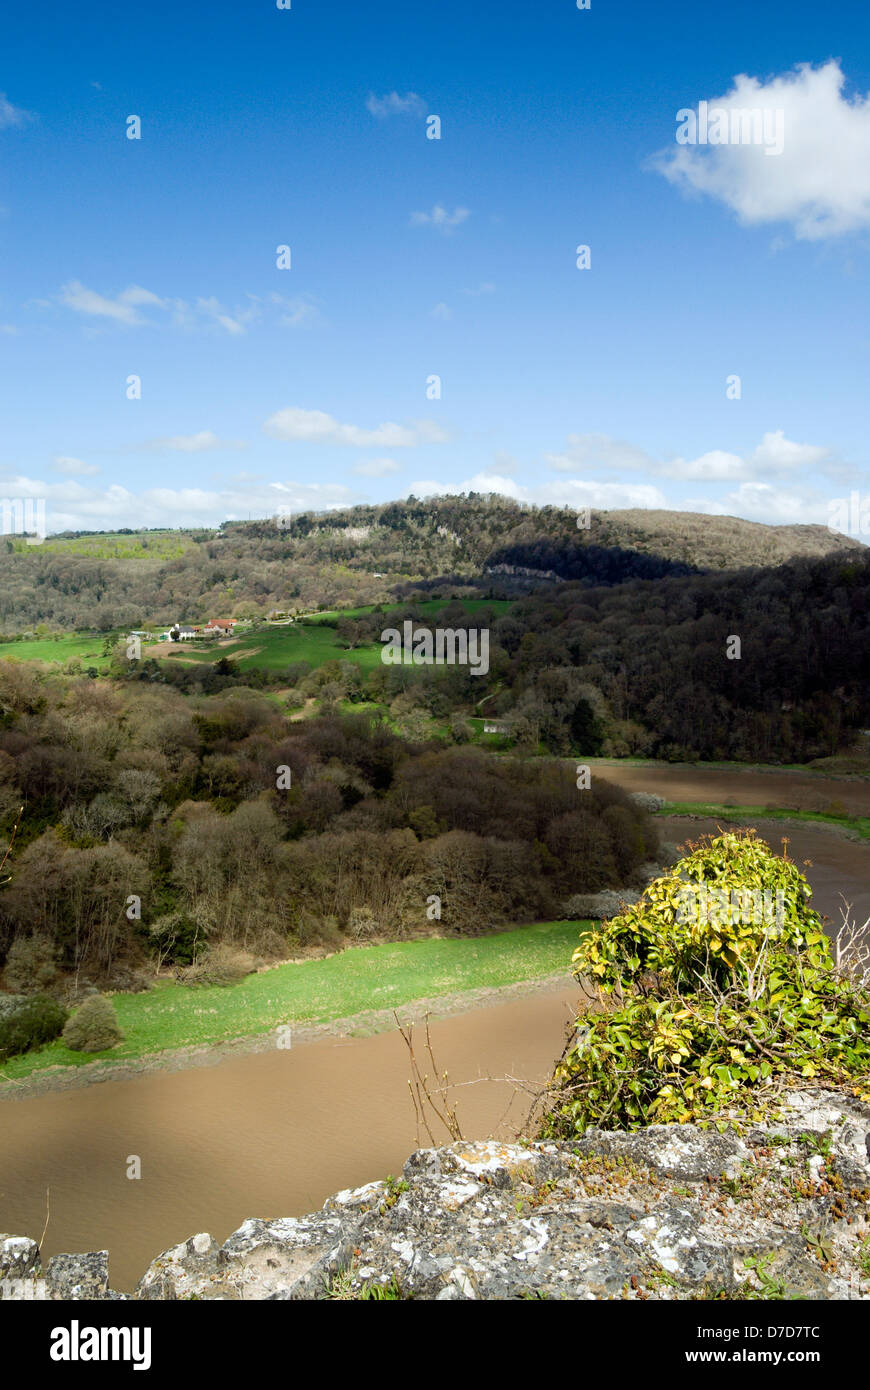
point(860, 825)
point(144, 545)
point(271, 648)
point(353, 981)
point(89, 649)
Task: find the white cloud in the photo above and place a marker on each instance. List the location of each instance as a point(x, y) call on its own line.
point(376, 468)
point(8, 328)
point(775, 455)
point(74, 467)
point(316, 427)
point(819, 183)
point(71, 506)
point(439, 217)
point(763, 502)
point(567, 492)
point(394, 105)
point(12, 115)
point(296, 311)
point(207, 311)
point(122, 308)
point(196, 443)
point(442, 311)
point(597, 451)
point(236, 322)
point(487, 287)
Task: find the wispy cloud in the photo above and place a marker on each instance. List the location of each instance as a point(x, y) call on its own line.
point(236, 322)
point(196, 443)
point(70, 505)
point(206, 312)
point(376, 468)
point(316, 427)
point(774, 456)
point(74, 467)
point(12, 115)
point(123, 308)
point(393, 105)
point(567, 492)
point(440, 218)
point(300, 311)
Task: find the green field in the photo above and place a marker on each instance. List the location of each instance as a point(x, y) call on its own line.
point(859, 825)
point(340, 986)
point(89, 649)
point(271, 648)
point(143, 545)
point(268, 647)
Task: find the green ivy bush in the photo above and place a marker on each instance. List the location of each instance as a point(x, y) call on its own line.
point(713, 1005)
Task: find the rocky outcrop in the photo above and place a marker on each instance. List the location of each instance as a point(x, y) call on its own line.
point(779, 1210)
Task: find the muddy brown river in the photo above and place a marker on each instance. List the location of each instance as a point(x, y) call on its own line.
point(274, 1133)
point(838, 867)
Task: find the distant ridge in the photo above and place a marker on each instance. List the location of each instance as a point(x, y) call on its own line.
point(368, 554)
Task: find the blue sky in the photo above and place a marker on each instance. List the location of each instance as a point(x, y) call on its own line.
point(265, 389)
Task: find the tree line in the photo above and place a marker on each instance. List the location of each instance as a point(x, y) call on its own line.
point(158, 824)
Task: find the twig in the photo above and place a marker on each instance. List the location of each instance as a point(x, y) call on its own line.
point(9, 846)
point(421, 1093)
point(47, 1216)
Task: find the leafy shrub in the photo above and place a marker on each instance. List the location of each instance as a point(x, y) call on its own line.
point(29, 1023)
point(93, 1027)
point(715, 1003)
point(30, 965)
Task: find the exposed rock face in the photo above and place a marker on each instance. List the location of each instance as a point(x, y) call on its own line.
point(778, 1211)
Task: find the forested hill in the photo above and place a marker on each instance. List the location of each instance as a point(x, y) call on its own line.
point(369, 554)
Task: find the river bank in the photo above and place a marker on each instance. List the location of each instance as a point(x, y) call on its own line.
point(362, 1025)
